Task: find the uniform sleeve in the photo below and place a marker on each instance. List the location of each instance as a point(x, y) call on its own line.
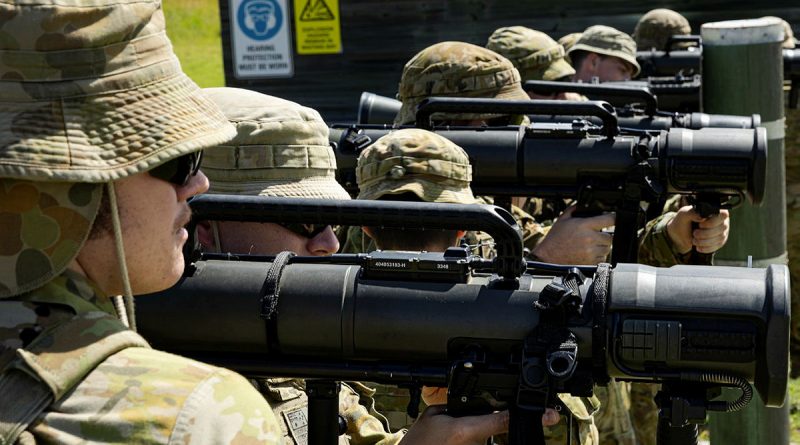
point(656, 247)
point(362, 427)
point(225, 409)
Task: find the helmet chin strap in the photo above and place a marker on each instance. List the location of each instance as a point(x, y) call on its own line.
point(122, 303)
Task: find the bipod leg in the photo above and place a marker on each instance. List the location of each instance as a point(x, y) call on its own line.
point(525, 426)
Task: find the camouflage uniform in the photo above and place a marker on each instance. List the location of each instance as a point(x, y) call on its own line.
point(533, 53)
point(654, 29)
point(281, 149)
point(607, 41)
point(436, 170)
point(457, 69)
point(92, 94)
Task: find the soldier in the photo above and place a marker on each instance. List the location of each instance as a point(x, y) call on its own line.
point(417, 165)
point(99, 150)
point(456, 69)
point(654, 29)
point(100, 145)
point(535, 55)
point(281, 149)
point(604, 53)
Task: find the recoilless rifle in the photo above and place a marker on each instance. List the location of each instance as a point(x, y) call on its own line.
point(499, 334)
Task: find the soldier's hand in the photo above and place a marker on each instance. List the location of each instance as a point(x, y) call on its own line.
point(432, 395)
point(574, 240)
point(435, 427)
point(709, 236)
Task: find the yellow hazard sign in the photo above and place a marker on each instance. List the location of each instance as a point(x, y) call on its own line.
point(317, 26)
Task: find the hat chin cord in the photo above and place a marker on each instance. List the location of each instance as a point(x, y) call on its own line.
point(122, 303)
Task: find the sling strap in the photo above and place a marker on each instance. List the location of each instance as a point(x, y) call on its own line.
point(53, 364)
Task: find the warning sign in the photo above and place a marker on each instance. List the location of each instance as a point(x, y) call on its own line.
point(318, 28)
point(261, 39)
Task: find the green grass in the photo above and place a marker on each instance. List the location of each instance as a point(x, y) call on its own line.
point(193, 26)
point(794, 409)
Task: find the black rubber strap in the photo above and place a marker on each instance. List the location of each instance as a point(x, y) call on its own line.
point(270, 293)
point(599, 291)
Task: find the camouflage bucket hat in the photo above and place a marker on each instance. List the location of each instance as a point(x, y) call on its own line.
point(456, 69)
point(533, 53)
point(92, 92)
point(44, 225)
point(610, 42)
point(568, 41)
point(280, 149)
point(416, 161)
point(655, 28)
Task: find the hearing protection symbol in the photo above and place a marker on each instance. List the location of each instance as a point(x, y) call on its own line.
point(260, 19)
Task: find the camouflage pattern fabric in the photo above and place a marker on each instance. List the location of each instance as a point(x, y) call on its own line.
point(281, 148)
point(644, 411)
point(613, 418)
point(657, 249)
point(608, 41)
point(654, 29)
point(145, 396)
point(533, 53)
point(568, 41)
point(793, 228)
point(290, 404)
point(44, 226)
point(109, 72)
point(456, 69)
point(415, 161)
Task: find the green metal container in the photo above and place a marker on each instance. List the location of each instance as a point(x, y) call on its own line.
point(743, 74)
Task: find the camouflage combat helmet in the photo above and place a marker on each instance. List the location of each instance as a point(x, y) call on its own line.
point(533, 53)
point(610, 42)
point(416, 161)
point(655, 28)
point(88, 96)
point(456, 69)
point(281, 149)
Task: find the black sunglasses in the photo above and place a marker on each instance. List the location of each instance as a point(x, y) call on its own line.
point(178, 171)
point(306, 230)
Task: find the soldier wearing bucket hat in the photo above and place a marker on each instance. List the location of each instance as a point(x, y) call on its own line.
point(100, 139)
point(418, 165)
point(281, 149)
point(457, 69)
point(535, 55)
point(100, 133)
point(604, 53)
point(654, 29)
